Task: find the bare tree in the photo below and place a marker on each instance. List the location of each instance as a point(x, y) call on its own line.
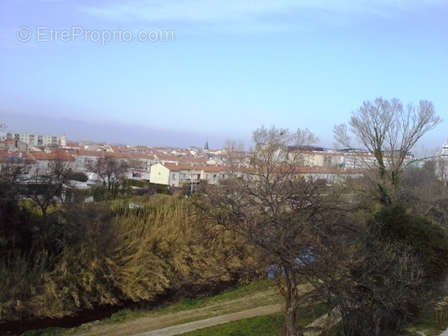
point(110, 170)
point(44, 188)
point(424, 193)
point(232, 146)
point(341, 136)
point(274, 208)
point(389, 131)
point(10, 172)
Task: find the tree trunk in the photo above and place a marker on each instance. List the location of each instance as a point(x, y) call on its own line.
point(291, 303)
point(290, 318)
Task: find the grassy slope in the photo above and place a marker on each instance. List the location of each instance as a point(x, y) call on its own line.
point(193, 303)
point(182, 305)
point(270, 325)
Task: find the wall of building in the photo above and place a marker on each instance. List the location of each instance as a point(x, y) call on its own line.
point(160, 174)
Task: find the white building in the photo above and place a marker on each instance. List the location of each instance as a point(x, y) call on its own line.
point(213, 174)
point(37, 139)
point(441, 163)
point(174, 175)
point(177, 176)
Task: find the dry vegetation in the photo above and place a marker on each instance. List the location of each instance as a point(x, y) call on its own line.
point(110, 255)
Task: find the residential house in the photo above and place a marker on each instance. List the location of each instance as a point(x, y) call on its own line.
point(174, 175)
point(43, 161)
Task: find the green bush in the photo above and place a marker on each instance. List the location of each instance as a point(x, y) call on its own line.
point(428, 239)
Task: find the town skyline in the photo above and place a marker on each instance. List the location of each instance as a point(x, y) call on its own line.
point(135, 135)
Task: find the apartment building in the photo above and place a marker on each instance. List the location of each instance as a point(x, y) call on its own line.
point(38, 139)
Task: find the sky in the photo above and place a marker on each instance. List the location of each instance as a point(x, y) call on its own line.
point(176, 72)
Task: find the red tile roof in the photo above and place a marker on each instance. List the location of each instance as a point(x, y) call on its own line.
point(59, 155)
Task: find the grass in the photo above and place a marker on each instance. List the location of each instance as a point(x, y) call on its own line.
point(45, 332)
point(226, 295)
point(310, 313)
point(269, 325)
point(194, 303)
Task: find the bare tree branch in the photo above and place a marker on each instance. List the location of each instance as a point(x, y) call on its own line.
point(389, 131)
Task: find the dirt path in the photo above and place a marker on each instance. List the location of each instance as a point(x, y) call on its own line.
point(213, 321)
point(259, 304)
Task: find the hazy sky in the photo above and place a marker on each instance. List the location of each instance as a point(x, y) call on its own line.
point(222, 69)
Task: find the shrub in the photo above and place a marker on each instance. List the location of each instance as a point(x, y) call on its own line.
point(428, 240)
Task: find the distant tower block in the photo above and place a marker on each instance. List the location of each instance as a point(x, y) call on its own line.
point(206, 145)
